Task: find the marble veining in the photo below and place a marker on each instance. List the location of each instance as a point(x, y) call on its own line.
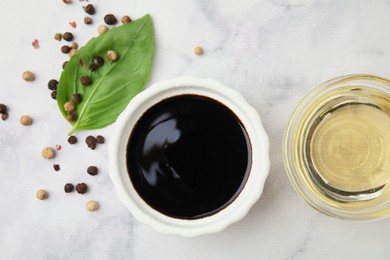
point(271, 51)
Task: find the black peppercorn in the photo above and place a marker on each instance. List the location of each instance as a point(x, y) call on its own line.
point(68, 187)
point(85, 80)
point(110, 19)
point(64, 64)
point(76, 98)
point(56, 167)
point(65, 49)
point(92, 67)
point(92, 170)
point(67, 36)
point(100, 139)
point(90, 139)
point(72, 117)
point(72, 139)
point(52, 84)
point(91, 142)
point(81, 188)
point(3, 108)
point(54, 94)
point(89, 9)
point(98, 61)
point(4, 116)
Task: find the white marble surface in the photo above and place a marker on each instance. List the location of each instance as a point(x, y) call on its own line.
point(272, 51)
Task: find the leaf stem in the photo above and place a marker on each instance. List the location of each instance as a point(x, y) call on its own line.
point(74, 129)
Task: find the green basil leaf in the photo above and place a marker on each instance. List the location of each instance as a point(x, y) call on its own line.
point(113, 84)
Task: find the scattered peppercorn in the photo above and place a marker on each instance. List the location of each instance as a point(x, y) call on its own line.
point(68, 187)
point(3, 108)
point(67, 36)
point(72, 52)
point(72, 139)
point(98, 61)
point(4, 116)
point(92, 170)
point(100, 139)
point(89, 9)
point(3, 112)
point(110, 19)
point(198, 51)
point(64, 64)
point(35, 44)
point(92, 67)
point(42, 195)
point(76, 98)
point(67, 1)
point(56, 167)
point(92, 205)
point(102, 29)
point(69, 106)
point(85, 80)
point(74, 45)
point(58, 36)
point(73, 24)
point(28, 76)
point(25, 120)
point(125, 19)
point(88, 20)
point(71, 117)
point(91, 142)
point(58, 147)
point(48, 153)
point(65, 49)
point(52, 84)
point(81, 188)
point(90, 139)
point(53, 94)
point(111, 56)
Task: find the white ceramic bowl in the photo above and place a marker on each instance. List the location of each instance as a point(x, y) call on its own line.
point(234, 211)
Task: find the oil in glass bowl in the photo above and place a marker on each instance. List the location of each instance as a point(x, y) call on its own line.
point(337, 147)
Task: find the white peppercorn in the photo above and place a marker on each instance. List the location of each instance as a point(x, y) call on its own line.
point(92, 205)
point(48, 153)
point(28, 76)
point(102, 29)
point(42, 194)
point(25, 120)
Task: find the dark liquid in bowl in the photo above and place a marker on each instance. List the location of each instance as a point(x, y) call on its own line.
point(188, 156)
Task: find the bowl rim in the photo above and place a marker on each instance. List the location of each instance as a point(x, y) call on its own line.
point(237, 209)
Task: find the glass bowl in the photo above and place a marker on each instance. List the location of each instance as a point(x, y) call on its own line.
point(336, 147)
